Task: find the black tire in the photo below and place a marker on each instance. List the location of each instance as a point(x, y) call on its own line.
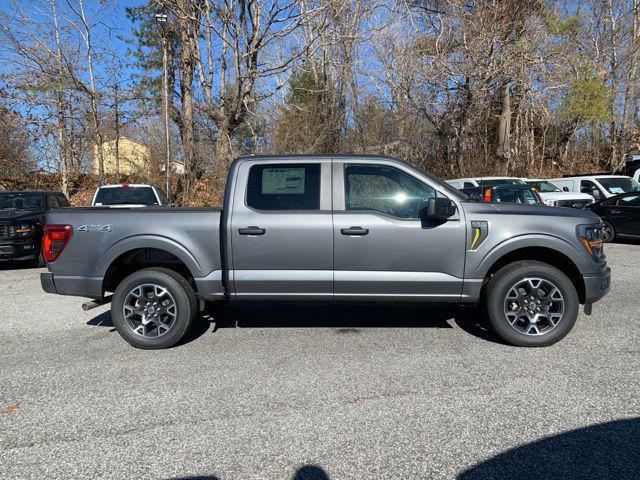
point(180, 292)
point(500, 286)
point(38, 262)
point(608, 232)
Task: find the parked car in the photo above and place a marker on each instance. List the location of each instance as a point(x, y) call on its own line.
point(331, 228)
point(522, 194)
point(599, 186)
point(632, 165)
point(620, 216)
point(129, 195)
point(551, 194)
point(21, 220)
point(471, 182)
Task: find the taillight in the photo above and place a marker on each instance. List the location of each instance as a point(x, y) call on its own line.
point(54, 240)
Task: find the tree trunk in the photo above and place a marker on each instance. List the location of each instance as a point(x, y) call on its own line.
point(503, 151)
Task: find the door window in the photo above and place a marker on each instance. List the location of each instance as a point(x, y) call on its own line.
point(284, 187)
point(62, 200)
point(590, 188)
point(629, 201)
point(386, 190)
point(52, 202)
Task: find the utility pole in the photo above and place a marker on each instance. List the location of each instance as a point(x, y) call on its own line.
point(162, 19)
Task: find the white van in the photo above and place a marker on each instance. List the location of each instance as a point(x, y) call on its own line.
point(598, 186)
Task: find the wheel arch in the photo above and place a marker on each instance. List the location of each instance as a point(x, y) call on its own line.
point(137, 253)
point(544, 254)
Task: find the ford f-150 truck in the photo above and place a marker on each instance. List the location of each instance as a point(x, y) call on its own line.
point(330, 228)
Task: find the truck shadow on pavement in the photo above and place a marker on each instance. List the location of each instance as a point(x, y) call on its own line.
point(343, 318)
point(604, 451)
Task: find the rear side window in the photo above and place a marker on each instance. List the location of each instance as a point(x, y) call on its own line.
point(284, 187)
point(62, 200)
point(126, 196)
point(52, 202)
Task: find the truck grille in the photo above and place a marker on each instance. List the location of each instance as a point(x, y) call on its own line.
point(573, 203)
point(7, 231)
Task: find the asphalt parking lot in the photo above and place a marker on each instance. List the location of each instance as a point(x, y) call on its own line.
point(286, 392)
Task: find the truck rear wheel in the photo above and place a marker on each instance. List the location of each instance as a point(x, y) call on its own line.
point(153, 308)
point(531, 304)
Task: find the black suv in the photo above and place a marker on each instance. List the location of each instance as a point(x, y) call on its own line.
point(21, 221)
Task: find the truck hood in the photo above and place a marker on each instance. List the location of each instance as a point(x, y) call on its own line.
point(565, 196)
point(579, 216)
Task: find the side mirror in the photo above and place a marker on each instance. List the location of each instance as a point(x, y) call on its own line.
point(565, 189)
point(438, 209)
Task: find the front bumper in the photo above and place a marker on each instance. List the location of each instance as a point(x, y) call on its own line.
point(18, 251)
point(597, 286)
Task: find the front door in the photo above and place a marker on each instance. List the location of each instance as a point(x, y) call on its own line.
point(282, 231)
point(626, 214)
point(383, 251)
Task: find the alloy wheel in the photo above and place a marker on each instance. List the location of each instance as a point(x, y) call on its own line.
point(534, 306)
point(149, 310)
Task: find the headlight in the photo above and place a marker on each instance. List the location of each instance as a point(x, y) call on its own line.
point(591, 238)
point(24, 230)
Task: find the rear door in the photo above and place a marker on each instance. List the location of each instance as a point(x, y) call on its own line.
point(281, 230)
point(383, 251)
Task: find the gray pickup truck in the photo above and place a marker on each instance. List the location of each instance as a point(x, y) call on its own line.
point(330, 228)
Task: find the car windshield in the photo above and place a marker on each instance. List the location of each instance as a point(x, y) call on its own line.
point(507, 194)
point(543, 186)
point(21, 201)
point(618, 185)
point(126, 196)
point(494, 182)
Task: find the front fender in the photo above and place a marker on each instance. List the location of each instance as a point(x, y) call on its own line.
point(512, 244)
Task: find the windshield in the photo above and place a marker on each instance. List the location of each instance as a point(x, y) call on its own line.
point(494, 182)
point(126, 196)
point(506, 194)
point(21, 201)
point(618, 185)
point(543, 186)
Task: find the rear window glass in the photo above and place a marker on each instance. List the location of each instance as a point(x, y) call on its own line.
point(284, 187)
point(126, 196)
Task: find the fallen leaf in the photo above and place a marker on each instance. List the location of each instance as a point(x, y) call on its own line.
point(8, 407)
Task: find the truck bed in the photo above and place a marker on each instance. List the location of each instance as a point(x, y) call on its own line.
point(104, 237)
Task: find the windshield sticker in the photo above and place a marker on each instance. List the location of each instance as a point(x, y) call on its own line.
point(616, 190)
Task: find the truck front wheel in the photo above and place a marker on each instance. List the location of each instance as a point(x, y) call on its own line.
point(531, 304)
point(153, 308)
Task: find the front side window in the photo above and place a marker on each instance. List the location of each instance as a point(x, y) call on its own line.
point(590, 188)
point(386, 190)
point(284, 187)
point(629, 201)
